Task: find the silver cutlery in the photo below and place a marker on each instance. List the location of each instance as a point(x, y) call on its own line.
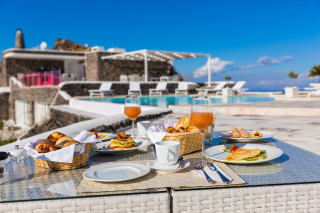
point(180, 160)
point(198, 166)
point(213, 168)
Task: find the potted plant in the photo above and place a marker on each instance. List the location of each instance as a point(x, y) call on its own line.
point(226, 91)
point(292, 91)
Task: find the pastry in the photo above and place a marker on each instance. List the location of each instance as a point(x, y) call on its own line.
point(181, 129)
point(170, 130)
point(55, 136)
point(235, 132)
point(244, 133)
point(69, 143)
point(255, 134)
point(192, 128)
point(61, 141)
point(45, 146)
point(184, 122)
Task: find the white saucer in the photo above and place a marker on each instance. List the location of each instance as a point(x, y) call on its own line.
point(142, 136)
point(169, 169)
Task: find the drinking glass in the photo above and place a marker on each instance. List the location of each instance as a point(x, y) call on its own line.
point(132, 109)
point(201, 116)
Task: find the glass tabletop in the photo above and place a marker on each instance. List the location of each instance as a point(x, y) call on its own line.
point(296, 165)
point(44, 184)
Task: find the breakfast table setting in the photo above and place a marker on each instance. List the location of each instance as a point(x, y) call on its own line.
point(168, 166)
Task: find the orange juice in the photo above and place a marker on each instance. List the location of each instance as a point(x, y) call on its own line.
point(202, 120)
point(132, 112)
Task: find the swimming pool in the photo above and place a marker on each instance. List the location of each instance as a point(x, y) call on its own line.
point(165, 101)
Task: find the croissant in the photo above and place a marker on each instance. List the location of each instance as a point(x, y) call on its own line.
point(55, 136)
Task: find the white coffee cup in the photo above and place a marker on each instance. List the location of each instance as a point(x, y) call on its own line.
point(167, 152)
point(143, 126)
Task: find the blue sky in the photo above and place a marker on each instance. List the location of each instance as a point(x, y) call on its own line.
point(256, 41)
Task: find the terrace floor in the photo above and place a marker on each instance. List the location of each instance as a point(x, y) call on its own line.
point(301, 131)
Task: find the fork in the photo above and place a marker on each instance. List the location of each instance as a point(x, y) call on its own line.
point(198, 166)
point(213, 168)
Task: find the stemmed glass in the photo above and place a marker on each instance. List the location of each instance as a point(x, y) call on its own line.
point(132, 109)
point(201, 116)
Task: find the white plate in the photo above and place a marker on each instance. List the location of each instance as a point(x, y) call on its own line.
point(151, 165)
point(111, 135)
point(140, 144)
point(116, 172)
point(226, 135)
point(217, 153)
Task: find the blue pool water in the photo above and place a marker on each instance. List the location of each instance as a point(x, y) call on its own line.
point(165, 101)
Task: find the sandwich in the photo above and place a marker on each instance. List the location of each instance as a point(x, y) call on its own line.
point(122, 141)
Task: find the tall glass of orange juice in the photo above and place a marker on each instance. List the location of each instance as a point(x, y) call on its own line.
point(132, 109)
point(201, 115)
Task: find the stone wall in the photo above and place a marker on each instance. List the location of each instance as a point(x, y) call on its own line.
point(110, 70)
point(82, 89)
point(4, 105)
point(32, 95)
point(12, 66)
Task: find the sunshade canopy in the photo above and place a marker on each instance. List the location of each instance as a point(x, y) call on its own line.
point(157, 55)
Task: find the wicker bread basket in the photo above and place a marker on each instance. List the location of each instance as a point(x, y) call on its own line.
point(78, 162)
point(189, 141)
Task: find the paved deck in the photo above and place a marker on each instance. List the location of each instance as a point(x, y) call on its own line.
point(315, 104)
point(303, 107)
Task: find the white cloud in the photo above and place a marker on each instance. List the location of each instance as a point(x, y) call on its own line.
point(286, 58)
point(265, 61)
point(216, 65)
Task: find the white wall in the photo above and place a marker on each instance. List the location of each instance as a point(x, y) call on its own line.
point(73, 67)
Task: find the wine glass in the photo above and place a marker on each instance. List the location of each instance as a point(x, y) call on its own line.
point(201, 116)
point(132, 109)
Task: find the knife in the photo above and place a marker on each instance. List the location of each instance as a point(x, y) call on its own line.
point(224, 179)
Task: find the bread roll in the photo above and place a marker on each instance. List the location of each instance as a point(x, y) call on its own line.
point(45, 146)
point(69, 143)
point(55, 136)
point(61, 141)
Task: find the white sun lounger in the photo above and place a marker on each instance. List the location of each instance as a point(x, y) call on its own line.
point(134, 88)
point(238, 87)
point(182, 88)
point(314, 90)
point(204, 91)
point(104, 88)
point(161, 87)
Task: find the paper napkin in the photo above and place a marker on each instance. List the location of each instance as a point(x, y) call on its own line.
point(156, 134)
point(212, 174)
